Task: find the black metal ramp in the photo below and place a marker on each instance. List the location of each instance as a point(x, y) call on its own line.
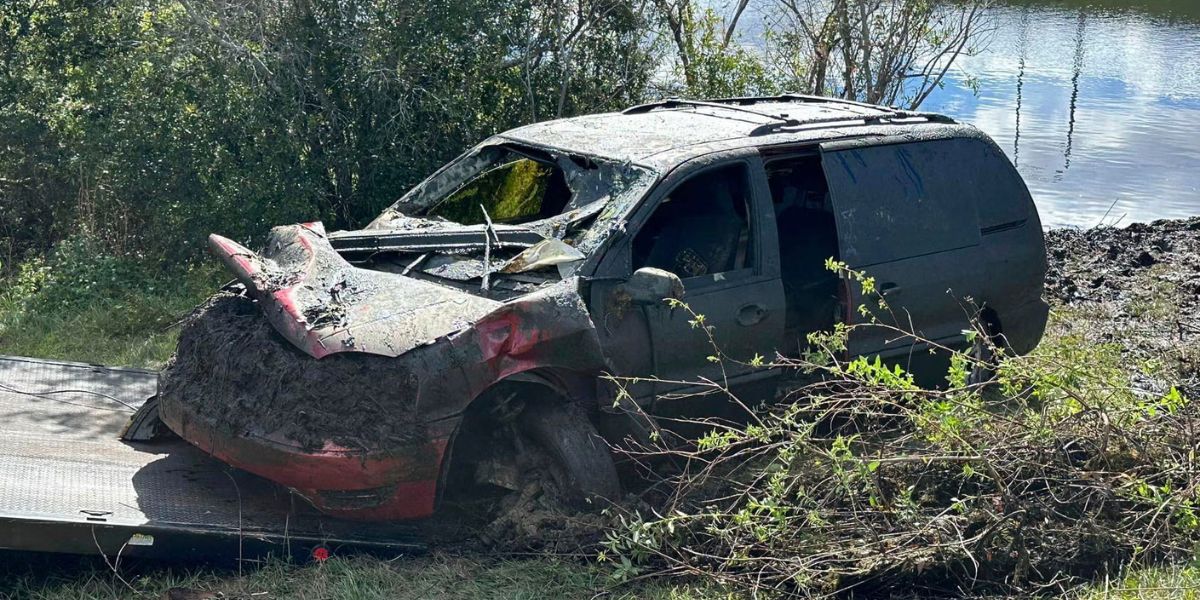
point(68, 484)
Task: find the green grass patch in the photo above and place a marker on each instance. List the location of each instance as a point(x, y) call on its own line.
point(1161, 583)
point(134, 331)
point(348, 578)
point(81, 305)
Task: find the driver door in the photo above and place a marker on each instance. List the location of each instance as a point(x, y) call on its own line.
point(712, 225)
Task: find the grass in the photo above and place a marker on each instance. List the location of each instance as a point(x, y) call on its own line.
point(1162, 583)
point(89, 336)
point(342, 578)
point(132, 326)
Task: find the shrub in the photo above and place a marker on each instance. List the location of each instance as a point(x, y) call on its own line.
point(77, 273)
point(1070, 463)
point(81, 303)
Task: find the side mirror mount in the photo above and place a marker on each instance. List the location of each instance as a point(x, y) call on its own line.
point(648, 285)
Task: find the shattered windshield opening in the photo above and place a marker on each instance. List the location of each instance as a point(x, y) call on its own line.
point(517, 212)
point(518, 190)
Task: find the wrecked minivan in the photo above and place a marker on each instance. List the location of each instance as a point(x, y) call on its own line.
point(467, 331)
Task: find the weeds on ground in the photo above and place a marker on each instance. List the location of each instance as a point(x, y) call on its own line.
point(1155, 583)
point(84, 305)
point(1063, 466)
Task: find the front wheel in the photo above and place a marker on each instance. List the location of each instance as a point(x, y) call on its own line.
point(578, 458)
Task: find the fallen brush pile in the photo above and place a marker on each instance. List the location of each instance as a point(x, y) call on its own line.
point(1049, 475)
point(1072, 462)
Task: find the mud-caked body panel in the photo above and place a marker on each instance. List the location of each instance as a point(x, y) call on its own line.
point(364, 401)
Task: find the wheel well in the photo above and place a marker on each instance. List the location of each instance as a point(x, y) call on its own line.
point(486, 412)
point(508, 391)
point(991, 322)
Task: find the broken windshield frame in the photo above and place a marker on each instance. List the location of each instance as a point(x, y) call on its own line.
point(601, 191)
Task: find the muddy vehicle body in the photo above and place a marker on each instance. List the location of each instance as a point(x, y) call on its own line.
point(479, 314)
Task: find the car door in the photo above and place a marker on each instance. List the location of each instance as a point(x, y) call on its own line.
point(711, 224)
point(907, 216)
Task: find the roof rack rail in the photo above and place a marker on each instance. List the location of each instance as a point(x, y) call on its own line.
point(812, 98)
point(752, 100)
point(880, 113)
point(677, 102)
point(865, 120)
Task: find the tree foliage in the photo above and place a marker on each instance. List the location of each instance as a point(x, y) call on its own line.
point(875, 51)
point(144, 125)
point(148, 123)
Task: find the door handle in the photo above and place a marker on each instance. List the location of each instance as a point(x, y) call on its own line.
point(751, 314)
point(889, 288)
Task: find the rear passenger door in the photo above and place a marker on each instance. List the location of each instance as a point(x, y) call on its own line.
point(907, 216)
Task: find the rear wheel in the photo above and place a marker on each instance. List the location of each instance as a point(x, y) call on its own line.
point(986, 352)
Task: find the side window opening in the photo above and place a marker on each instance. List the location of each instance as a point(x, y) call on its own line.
point(807, 236)
point(701, 228)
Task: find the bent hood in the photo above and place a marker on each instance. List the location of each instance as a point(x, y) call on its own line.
point(325, 305)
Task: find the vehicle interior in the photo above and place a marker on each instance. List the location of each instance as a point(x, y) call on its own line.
point(701, 228)
point(518, 189)
point(807, 237)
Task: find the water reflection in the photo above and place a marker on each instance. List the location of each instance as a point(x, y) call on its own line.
point(1097, 101)
point(1097, 104)
point(1022, 43)
point(1075, 86)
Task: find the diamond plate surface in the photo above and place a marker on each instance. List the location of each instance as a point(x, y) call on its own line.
point(61, 460)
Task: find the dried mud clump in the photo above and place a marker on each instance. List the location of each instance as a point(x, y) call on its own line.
point(235, 371)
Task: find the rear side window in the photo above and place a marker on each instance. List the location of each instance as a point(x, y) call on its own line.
point(904, 200)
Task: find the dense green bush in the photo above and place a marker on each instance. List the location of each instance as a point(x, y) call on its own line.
point(76, 273)
point(147, 124)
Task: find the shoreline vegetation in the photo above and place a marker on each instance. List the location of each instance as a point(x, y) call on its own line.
point(1124, 298)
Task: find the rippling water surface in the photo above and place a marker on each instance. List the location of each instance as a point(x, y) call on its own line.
point(1097, 103)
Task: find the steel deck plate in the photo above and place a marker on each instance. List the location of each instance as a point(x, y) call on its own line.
point(67, 483)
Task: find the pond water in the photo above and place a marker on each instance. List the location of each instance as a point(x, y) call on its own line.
point(1097, 103)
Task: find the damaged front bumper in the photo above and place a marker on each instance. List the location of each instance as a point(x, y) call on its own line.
point(351, 389)
point(394, 484)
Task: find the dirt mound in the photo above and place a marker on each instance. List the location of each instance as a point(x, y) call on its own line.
point(233, 369)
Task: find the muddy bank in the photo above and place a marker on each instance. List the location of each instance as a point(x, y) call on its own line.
point(1137, 286)
point(1107, 264)
point(234, 370)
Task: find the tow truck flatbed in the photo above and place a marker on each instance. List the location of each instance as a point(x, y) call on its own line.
point(69, 484)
